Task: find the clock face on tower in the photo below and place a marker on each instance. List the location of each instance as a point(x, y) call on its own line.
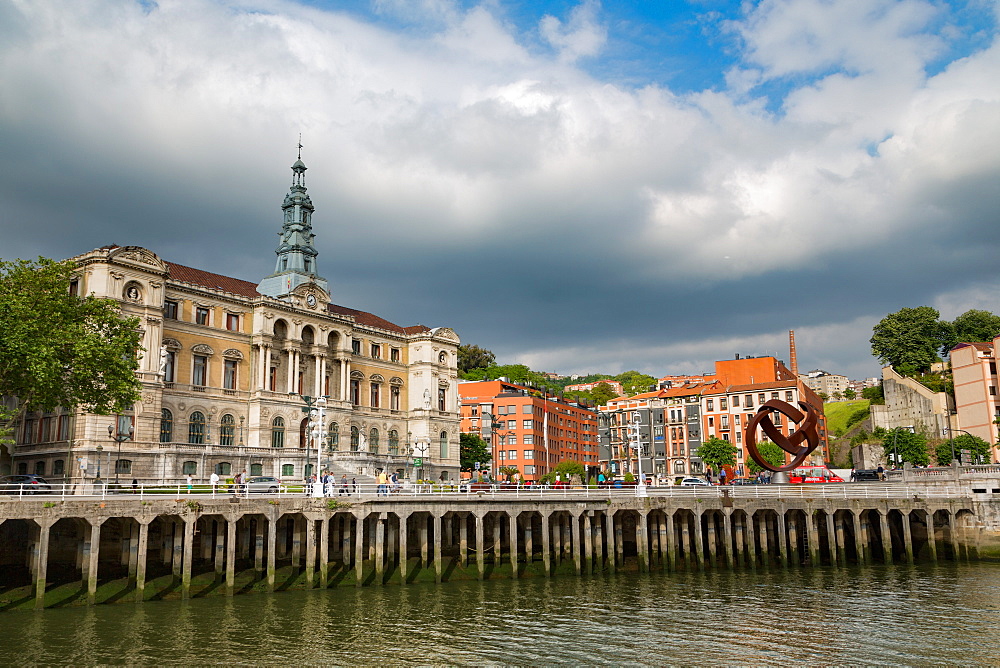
point(311, 300)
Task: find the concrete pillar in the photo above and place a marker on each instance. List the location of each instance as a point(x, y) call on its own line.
point(861, 538)
point(296, 525)
point(178, 549)
point(588, 556)
point(727, 531)
point(512, 542)
point(424, 544)
point(141, 555)
point(381, 520)
point(831, 538)
point(231, 555)
point(814, 556)
point(480, 547)
point(94, 553)
point(686, 543)
point(42, 561)
point(310, 552)
point(577, 548)
point(529, 534)
point(699, 547)
point(463, 539)
point(671, 547)
point(838, 538)
point(346, 554)
point(258, 546)
point(765, 551)
point(497, 546)
point(404, 548)
point(220, 548)
point(546, 544)
point(782, 539)
point(931, 536)
point(908, 537)
point(324, 550)
point(597, 523)
point(712, 545)
point(739, 539)
point(167, 551)
point(642, 529)
point(661, 543)
point(359, 549)
point(133, 549)
point(883, 519)
point(619, 542)
point(438, 566)
point(609, 539)
point(272, 541)
point(188, 556)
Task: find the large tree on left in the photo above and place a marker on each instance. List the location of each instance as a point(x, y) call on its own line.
point(59, 349)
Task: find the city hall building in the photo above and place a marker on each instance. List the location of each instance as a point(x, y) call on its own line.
point(229, 366)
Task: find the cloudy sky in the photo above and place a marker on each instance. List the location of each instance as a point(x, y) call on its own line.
point(577, 186)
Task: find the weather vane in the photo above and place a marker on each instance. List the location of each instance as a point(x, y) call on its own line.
point(805, 431)
point(300, 146)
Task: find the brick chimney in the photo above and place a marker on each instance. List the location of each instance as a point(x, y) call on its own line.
point(791, 353)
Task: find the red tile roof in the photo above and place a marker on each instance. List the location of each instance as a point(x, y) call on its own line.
point(207, 279)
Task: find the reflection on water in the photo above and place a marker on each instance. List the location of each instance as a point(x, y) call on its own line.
point(892, 616)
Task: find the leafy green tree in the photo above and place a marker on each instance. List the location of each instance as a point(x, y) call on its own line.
point(823, 395)
point(58, 349)
point(980, 451)
point(850, 394)
point(971, 327)
point(602, 394)
point(634, 382)
point(910, 338)
point(473, 449)
point(565, 469)
point(771, 453)
point(473, 357)
point(837, 395)
point(717, 453)
point(875, 395)
point(908, 446)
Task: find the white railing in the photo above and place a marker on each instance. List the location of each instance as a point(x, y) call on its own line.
point(410, 491)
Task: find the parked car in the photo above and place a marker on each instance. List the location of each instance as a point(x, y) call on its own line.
point(744, 481)
point(865, 475)
point(24, 484)
point(695, 482)
point(261, 484)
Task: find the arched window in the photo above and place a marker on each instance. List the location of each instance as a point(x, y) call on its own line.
point(373, 440)
point(224, 468)
point(58, 467)
point(333, 436)
point(309, 470)
point(393, 442)
point(256, 469)
point(679, 466)
point(278, 432)
point(287, 469)
point(39, 468)
point(228, 429)
point(443, 358)
point(166, 426)
point(376, 395)
point(394, 394)
point(444, 445)
point(123, 466)
point(189, 468)
point(442, 399)
point(196, 428)
point(355, 438)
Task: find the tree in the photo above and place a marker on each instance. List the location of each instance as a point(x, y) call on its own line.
point(906, 445)
point(971, 327)
point(473, 357)
point(910, 338)
point(837, 395)
point(602, 394)
point(717, 453)
point(565, 469)
point(980, 451)
point(634, 382)
point(58, 349)
point(473, 449)
point(876, 395)
point(771, 453)
point(850, 394)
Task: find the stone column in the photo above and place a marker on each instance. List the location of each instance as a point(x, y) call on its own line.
point(480, 547)
point(380, 522)
point(324, 550)
point(141, 554)
point(577, 548)
point(293, 368)
point(296, 524)
point(642, 529)
point(220, 549)
point(782, 540)
point(258, 546)
point(529, 548)
point(263, 365)
point(42, 560)
point(404, 548)
point(597, 526)
point(619, 543)
point(908, 537)
point(931, 535)
point(831, 538)
point(310, 552)
point(710, 531)
point(512, 541)
point(345, 541)
point(133, 548)
point(463, 539)
point(661, 544)
point(546, 544)
point(318, 378)
point(588, 556)
point(497, 541)
point(727, 530)
point(231, 554)
point(699, 548)
point(189, 523)
point(359, 549)
point(861, 539)
point(94, 553)
point(765, 548)
point(425, 549)
point(671, 548)
point(686, 543)
point(178, 549)
point(883, 519)
point(813, 539)
point(272, 541)
point(438, 566)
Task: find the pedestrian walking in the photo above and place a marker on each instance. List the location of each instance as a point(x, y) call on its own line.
point(190, 482)
point(214, 480)
point(354, 485)
point(343, 486)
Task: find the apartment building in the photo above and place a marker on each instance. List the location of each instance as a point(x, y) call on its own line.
point(977, 400)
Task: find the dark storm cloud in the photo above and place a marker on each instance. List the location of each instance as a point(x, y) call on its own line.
point(571, 224)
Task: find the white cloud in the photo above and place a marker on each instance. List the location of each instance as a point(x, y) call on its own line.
point(581, 37)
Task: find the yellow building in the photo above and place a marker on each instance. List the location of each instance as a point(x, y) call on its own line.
point(229, 366)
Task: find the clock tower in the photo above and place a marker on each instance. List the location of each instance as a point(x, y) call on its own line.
point(296, 262)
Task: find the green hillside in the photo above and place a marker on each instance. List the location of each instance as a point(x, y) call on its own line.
point(838, 413)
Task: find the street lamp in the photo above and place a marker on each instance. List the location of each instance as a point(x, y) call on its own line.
point(116, 433)
point(952, 441)
point(100, 449)
point(316, 408)
point(422, 447)
point(635, 437)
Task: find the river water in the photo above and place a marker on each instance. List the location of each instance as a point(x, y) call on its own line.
point(894, 615)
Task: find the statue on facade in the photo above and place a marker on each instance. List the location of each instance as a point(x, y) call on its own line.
point(164, 355)
point(427, 399)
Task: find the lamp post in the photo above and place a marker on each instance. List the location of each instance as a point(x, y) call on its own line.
point(422, 447)
point(952, 441)
point(635, 437)
point(316, 408)
point(100, 449)
point(116, 433)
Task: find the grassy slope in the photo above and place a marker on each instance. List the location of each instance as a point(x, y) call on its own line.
point(837, 413)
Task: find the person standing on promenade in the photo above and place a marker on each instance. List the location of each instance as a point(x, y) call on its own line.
point(343, 486)
point(214, 480)
point(190, 482)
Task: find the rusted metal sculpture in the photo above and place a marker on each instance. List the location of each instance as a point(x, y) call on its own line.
point(806, 431)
